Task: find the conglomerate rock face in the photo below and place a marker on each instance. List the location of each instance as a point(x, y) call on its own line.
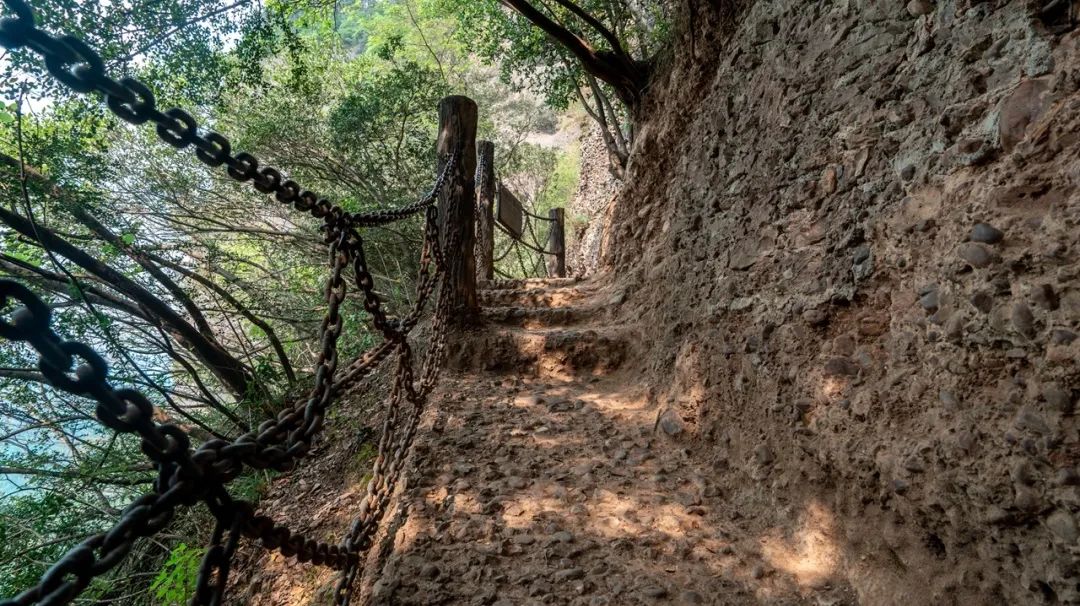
point(595, 193)
point(853, 243)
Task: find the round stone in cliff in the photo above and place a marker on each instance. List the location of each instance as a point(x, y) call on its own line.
point(1028, 420)
point(1067, 477)
point(1023, 473)
point(1063, 525)
point(690, 598)
point(948, 400)
point(670, 423)
point(984, 232)
point(1061, 336)
point(1023, 320)
point(841, 367)
point(918, 8)
point(562, 536)
point(654, 591)
point(1025, 499)
point(914, 464)
point(976, 255)
point(829, 180)
point(1058, 398)
point(930, 300)
point(815, 317)
point(982, 301)
point(763, 455)
point(569, 574)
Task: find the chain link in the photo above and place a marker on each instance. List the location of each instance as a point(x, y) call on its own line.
point(186, 476)
point(81, 69)
point(397, 431)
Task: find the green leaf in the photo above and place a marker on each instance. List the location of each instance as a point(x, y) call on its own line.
point(175, 582)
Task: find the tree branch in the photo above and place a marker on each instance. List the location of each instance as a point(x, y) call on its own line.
point(71, 475)
point(627, 76)
point(594, 23)
point(228, 369)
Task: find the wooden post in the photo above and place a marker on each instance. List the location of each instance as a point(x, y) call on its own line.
point(457, 200)
point(485, 208)
point(556, 262)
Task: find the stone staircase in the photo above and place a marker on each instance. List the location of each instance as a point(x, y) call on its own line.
point(543, 476)
point(549, 328)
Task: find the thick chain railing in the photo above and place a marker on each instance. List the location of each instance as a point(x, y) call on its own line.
point(398, 433)
point(81, 69)
point(187, 476)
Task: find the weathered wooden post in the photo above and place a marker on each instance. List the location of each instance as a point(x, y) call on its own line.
point(457, 200)
point(556, 261)
point(485, 209)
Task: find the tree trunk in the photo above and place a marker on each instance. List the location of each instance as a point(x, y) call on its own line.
point(625, 74)
point(230, 371)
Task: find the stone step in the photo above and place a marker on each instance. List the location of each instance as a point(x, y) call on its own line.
point(536, 317)
point(529, 297)
point(562, 353)
point(526, 283)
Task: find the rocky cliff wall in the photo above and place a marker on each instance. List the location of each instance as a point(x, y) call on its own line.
point(853, 239)
point(588, 217)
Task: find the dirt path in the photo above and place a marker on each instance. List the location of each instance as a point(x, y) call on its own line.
point(545, 476)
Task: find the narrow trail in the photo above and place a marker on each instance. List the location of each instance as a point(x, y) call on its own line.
point(545, 476)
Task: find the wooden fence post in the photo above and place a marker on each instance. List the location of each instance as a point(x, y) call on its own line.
point(556, 262)
point(457, 133)
point(485, 208)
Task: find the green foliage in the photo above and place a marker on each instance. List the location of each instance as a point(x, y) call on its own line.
point(387, 123)
point(43, 514)
point(362, 461)
point(118, 35)
point(365, 455)
point(545, 177)
point(560, 187)
point(7, 113)
point(175, 582)
point(533, 59)
point(252, 485)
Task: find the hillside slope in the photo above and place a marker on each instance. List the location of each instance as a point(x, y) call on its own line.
point(831, 359)
point(851, 239)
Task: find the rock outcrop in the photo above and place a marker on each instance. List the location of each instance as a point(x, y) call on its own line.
point(594, 196)
point(852, 239)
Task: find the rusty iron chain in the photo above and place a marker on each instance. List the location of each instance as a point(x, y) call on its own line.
point(77, 66)
point(186, 476)
point(425, 285)
point(77, 369)
point(214, 571)
point(398, 432)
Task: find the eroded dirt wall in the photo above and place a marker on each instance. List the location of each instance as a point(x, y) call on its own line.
point(855, 246)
